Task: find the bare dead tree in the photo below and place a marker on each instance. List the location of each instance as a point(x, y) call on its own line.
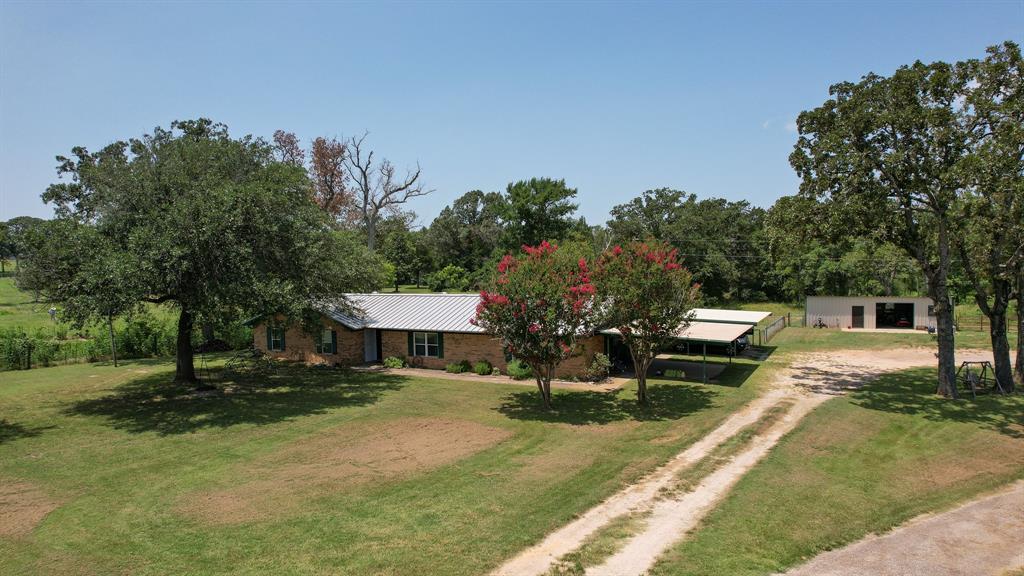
point(378, 189)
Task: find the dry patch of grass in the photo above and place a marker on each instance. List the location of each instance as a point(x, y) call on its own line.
point(338, 460)
point(22, 507)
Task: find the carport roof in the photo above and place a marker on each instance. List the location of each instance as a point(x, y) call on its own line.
point(722, 316)
point(708, 332)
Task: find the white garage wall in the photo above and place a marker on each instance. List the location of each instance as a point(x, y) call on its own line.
point(837, 311)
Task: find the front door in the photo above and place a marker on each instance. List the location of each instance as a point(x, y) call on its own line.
point(858, 316)
point(370, 345)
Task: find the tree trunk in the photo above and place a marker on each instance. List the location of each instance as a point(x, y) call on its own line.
point(185, 370)
point(1018, 371)
point(371, 233)
point(640, 367)
point(544, 387)
point(1001, 349)
point(939, 289)
point(113, 341)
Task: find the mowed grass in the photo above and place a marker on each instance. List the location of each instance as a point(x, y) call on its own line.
point(134, 470)
point(858, 464)
point(18, 310)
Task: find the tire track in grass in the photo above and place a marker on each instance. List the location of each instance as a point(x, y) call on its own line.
point(539, 559)
point(672, 517)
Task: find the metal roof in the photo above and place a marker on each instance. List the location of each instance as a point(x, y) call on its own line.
point(425, 312)
point(722, 316)
point(712, 332)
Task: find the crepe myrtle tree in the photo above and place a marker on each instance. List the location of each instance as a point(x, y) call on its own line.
point(648, 296)
point(539, 305)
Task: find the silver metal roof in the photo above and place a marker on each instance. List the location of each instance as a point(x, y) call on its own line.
point(723, 316)
point(423, 312)
point(714, 332)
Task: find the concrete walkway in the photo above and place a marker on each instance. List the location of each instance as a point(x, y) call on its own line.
point(983, 537)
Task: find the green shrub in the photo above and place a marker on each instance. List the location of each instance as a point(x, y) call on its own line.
point(483, 368)
point(45, 351)
point(237, 335)
point(519, 370)
point(15, 349)
point(675, 373)
point(598, 369)
point(20, 350)
point(451, 278)
point(97, 349)
point(143, 336)
point(458, 367)
point(495, 371)
point(394, 362)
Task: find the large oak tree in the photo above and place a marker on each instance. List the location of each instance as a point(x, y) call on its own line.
point(193, 218)
point(882, 152)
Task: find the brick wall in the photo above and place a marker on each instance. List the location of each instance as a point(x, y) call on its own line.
point(301, 346)
point(476, 347)
point(579, 364)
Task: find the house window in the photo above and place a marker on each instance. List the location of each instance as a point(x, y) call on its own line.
point(327, 343)
point(275, 339)
point(426, 344)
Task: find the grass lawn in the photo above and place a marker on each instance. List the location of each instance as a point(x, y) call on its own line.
point(18, 310)
point(856, 465)
point(314, 471)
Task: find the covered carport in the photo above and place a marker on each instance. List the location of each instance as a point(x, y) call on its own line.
point(750, 318)
point(701, 334)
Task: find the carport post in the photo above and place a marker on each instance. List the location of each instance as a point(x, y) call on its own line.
point(705, 364)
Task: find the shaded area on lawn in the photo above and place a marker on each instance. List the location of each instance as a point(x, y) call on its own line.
point(153, 404)
point(720, 373)
point(913, 392)
point(10, 431)
point(667, 402)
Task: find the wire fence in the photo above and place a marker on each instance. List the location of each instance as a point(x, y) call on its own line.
point(774, 328)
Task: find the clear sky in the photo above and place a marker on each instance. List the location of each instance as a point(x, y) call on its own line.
point(615, 98)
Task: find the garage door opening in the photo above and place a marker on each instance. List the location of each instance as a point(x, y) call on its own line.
point(894, 315)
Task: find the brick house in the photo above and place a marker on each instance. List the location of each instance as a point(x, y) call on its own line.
point(427, 330)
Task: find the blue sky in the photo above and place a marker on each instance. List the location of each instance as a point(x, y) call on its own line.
point(615, 98)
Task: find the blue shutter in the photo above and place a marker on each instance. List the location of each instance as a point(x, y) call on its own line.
point(412, 350)
point(334, 341)
point(440, 344)
point(283, 330)
point(270, 342)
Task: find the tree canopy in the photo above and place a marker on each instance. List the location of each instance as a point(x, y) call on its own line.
point(193, 218)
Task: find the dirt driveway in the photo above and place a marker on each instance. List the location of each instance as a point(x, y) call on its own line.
point(980, 537)
point(809, 380)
